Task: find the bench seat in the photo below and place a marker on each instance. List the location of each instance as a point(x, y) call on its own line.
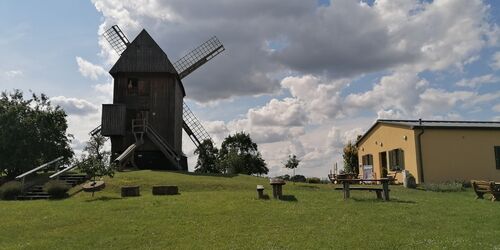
point(378, 191)
point(486, 187)
point(362, 188)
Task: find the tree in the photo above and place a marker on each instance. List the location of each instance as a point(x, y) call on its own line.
point(95, 163)
point(207, 158)
point(32, 132)
point(240, 155)
point(351, 158)
point(292, 163)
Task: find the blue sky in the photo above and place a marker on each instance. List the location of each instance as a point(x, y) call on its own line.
point(301, 77)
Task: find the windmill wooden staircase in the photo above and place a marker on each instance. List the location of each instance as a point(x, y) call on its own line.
point(140, 127)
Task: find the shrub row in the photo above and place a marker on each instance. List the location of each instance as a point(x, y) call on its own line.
point(10, 190)
point(56, 188)
point(454, 186)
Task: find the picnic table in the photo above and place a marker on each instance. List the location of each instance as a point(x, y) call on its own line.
point(334, 178)
point(382, 193)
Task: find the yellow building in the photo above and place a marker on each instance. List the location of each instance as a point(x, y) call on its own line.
point(432, 151)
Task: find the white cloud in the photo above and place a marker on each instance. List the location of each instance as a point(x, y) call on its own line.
point(496, 108)
point(495, 64)
point(75, 106)
point(398, 91)
point(288, 112)
point(13, 73)
point(321, 99)
point(90, 70)
point(478, 81)
point(346, 38)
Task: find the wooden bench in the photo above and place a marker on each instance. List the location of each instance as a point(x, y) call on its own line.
point(130, 191)
point(378, 191)
point(382, 193)
point(165, 190)
point(486, 187)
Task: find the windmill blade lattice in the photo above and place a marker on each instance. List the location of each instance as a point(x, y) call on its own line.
point(193, 127)
point(199, 56)
point(116, 39)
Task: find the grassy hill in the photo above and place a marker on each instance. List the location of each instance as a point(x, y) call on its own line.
point(214, 212)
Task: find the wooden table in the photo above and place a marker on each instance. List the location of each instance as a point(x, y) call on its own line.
point(346, 188)
point(277, 185)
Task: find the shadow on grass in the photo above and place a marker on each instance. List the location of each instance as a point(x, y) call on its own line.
point(289, 198)
point(75, 193)
point(200, 174)
point(307, 187)
point(392, 200)
point(104, 198)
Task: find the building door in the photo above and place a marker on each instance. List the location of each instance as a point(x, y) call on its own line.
point(383, 164)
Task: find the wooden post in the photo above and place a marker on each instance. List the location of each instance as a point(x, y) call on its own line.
point(260, 191)
point(345, 185)
point(385, 188)
point(277, 185)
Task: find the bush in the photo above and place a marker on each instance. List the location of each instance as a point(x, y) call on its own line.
point(56, 188)
point(284, 177)
point(453, 186)
point(313, 180)
point(10, 190)
point(465, 184)
point(298, 178)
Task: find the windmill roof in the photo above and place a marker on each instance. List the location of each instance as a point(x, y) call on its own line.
point(417, 124)
point(143, 55)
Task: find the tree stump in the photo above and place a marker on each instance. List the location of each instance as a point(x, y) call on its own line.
point(165, 190)
point(129, 191)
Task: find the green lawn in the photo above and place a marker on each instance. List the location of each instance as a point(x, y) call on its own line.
point(223, 213)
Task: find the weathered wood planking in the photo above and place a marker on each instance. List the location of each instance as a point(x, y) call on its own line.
point(147, 86)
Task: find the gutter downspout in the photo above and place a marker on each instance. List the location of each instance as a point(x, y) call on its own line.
point(420, 157)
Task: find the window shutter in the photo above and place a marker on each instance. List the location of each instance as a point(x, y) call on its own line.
point(391, 159)
point(401, 159)
point(497, 156)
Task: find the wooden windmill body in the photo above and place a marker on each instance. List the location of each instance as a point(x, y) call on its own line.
point(148, 113)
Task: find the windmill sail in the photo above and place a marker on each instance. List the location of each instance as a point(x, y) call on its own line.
point(193, 127)
point(185, 66)
point(199, 56)
point(116, 39)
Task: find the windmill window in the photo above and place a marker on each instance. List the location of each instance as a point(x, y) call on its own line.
point(397, 159)
point(497, 156)
point(132, 87)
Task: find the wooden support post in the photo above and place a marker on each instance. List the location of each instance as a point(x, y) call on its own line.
point(385, 188)
point(260, 191)
point(277, 185)
point(345, 185)
point(277, 191)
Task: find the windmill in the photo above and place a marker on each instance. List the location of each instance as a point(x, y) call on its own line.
point(148, 113)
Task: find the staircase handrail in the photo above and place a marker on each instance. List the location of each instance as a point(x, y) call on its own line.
point(39, 167)
point(63, 171)
point(162, 141)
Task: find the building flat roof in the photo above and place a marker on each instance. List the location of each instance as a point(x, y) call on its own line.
point(444, 124)
point(412, 124)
